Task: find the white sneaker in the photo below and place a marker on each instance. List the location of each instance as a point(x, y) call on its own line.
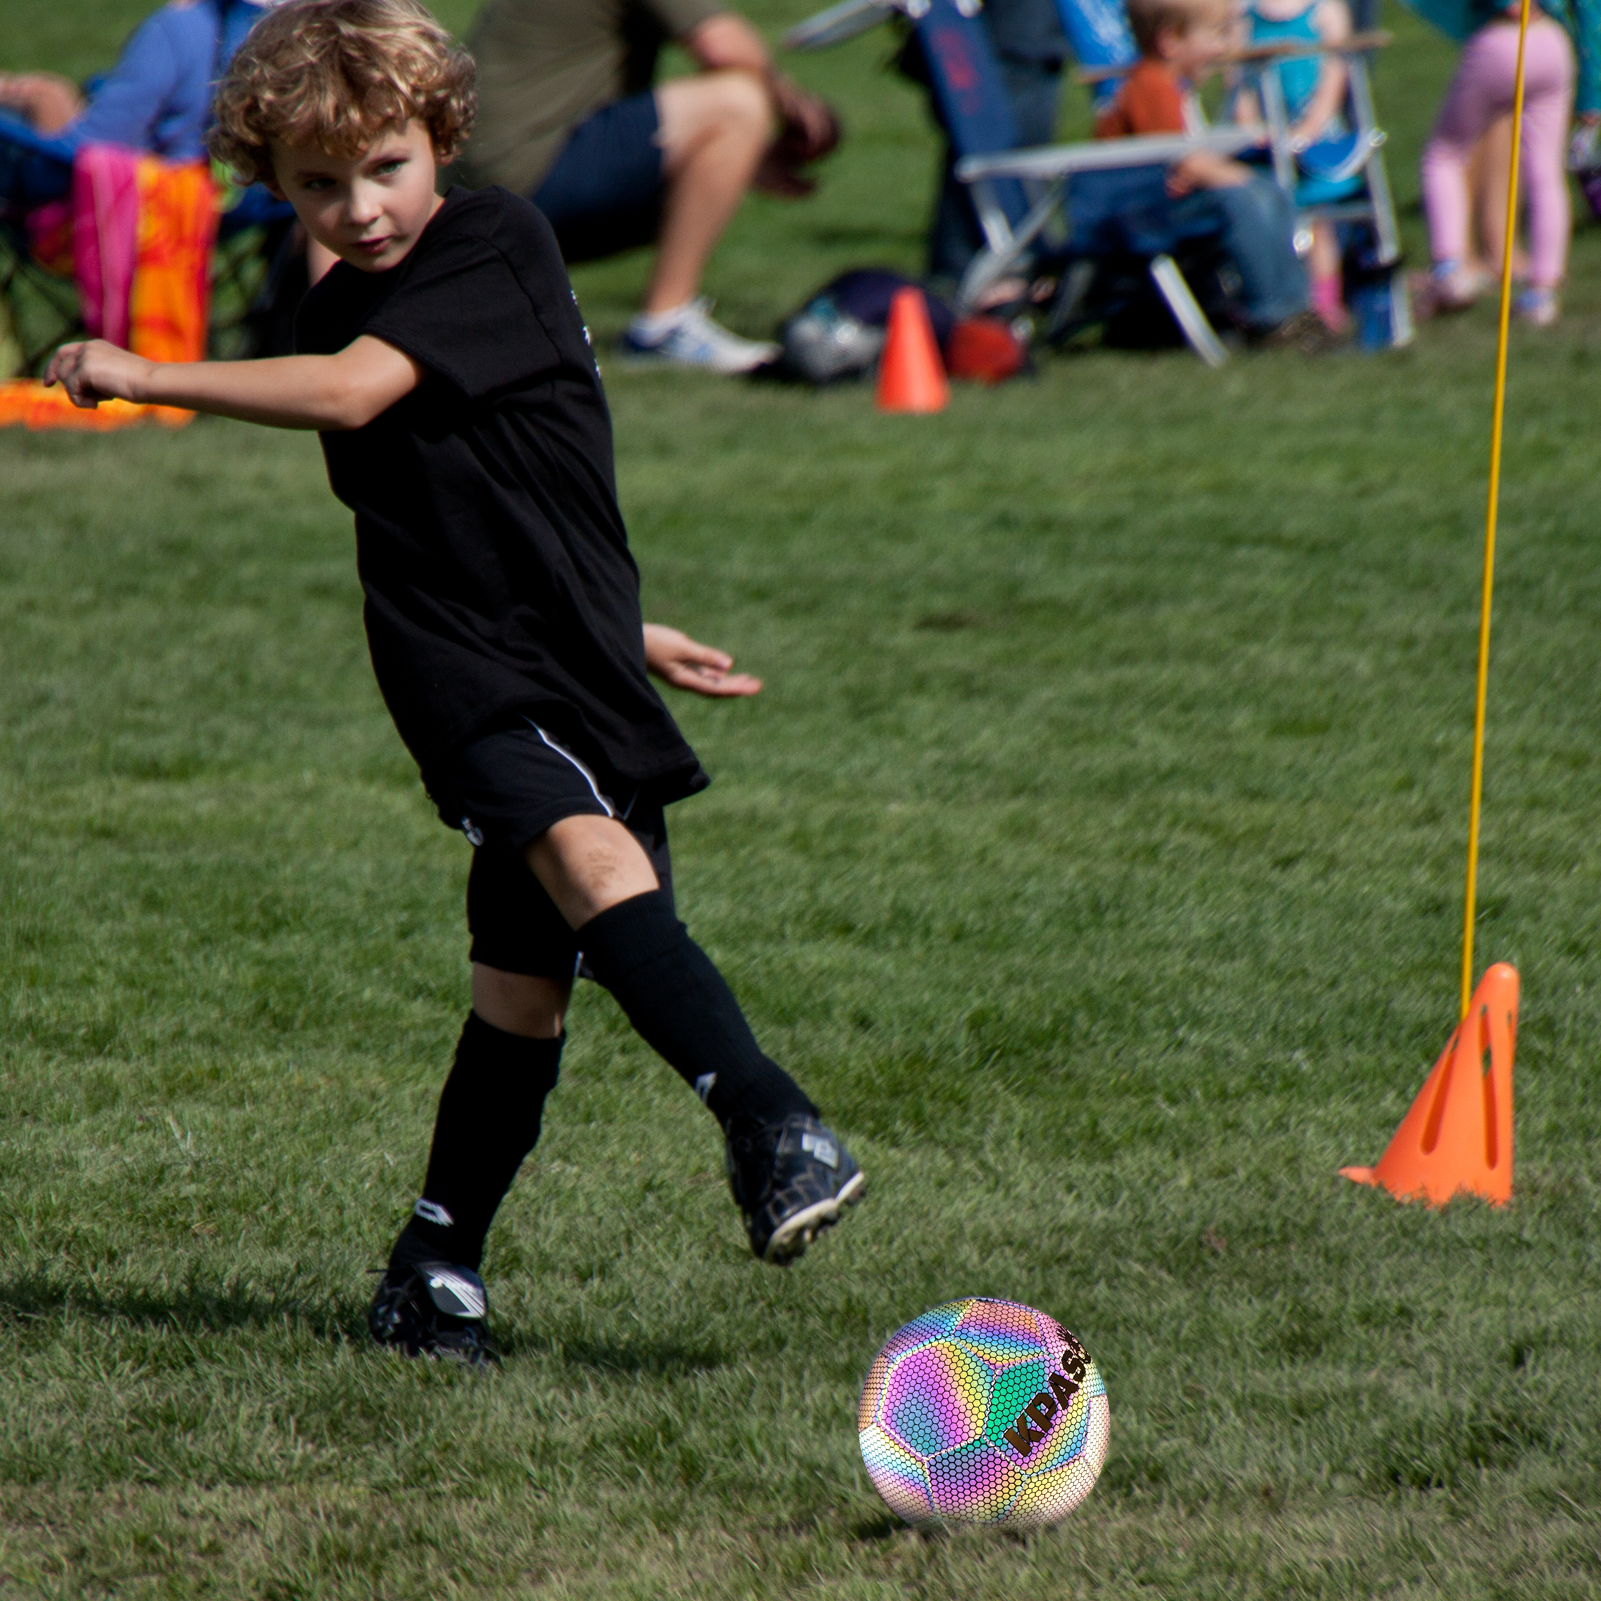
point(689, 338)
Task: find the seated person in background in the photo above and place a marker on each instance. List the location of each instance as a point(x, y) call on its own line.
point(568, 117)
point(1179, 41)
point(1314, 96)
point(1030, 47)
point(157, 98)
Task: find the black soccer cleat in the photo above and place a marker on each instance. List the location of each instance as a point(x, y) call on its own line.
point(791, 1180)
point(433, 1309)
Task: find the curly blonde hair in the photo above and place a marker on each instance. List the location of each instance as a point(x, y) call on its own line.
point(336, 73)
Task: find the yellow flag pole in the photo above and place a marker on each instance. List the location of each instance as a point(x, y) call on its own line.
point(1489, 519)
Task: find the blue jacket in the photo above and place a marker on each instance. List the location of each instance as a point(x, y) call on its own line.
point(158, 96)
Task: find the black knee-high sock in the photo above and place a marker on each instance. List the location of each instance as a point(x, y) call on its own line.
point(488, 1122)
point(682, 1007)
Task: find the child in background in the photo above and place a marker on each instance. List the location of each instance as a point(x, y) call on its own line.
point(1482, 91)
point(462, 419)
point(1314, 95)
point(1180, 41)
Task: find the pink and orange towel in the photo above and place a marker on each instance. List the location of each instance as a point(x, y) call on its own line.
point(141, 234)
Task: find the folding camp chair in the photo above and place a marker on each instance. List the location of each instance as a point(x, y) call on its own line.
point(38, 304)
point(1021, 196)
point(255, 258)
point(1341, 179)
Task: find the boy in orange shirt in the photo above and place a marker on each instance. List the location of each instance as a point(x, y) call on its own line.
point(1180, 40)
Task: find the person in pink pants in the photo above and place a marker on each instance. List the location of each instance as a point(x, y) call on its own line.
point(1481, 91)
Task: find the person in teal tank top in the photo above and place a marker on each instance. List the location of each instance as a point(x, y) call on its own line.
point(1314, 96)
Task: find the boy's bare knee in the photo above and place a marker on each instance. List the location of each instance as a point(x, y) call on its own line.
point(587, 864)
point(519, 1003)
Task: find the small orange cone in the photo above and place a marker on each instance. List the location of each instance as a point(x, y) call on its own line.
point(911, 376)
point(1458, 1135)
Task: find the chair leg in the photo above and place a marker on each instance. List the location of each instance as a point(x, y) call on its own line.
point(1070, 299)
point(1187, 311)
point(1383, 210)
point(1401, 327)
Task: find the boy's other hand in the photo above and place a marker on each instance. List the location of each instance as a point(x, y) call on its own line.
point(94, 371)
point(684, 663)
point(1205, 169)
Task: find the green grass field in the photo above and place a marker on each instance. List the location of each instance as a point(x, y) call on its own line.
point(1094, 855)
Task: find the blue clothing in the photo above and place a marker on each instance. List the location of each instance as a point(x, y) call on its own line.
point(158, 96)
point(1256, 223)
point(1128, 212)
point(1297, 77)
point(603, 194)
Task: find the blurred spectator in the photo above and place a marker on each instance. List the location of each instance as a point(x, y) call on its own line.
point(568, 115)
point(1480, 93)
point(1180, 42)
point(156, 98)
point(1030, 48)
point(1313, 89)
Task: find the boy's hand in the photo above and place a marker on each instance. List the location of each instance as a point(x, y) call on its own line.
point(678, 660)
point(95, 371)
point(1205, 169)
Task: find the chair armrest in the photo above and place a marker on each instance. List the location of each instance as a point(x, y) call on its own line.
point(1286, 50)
point(1101, 155)
point(845, 21)
point(17, 132)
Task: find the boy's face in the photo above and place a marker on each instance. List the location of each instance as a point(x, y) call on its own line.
point(1198, 46)
point(368, 209)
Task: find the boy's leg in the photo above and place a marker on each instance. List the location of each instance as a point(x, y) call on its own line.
point(490, 1110)
point(789, 1174)
point(603, 882)
point(1259, 237)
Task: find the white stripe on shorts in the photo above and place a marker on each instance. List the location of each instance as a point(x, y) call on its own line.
point(589, 777)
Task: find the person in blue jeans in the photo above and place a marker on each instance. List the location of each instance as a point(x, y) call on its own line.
point(157, 98)
point(1180, 40)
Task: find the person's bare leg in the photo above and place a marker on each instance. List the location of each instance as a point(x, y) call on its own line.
point(714, 130)
point(588, 864)
point(1488, 172)
point(517, 1003)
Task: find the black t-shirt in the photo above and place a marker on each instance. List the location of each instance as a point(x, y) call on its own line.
point(488, 538)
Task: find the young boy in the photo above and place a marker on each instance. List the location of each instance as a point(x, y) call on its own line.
point(1180, 40)
point(463, 422)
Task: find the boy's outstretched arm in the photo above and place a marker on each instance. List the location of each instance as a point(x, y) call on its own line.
point(677, 659)
point(336, 392)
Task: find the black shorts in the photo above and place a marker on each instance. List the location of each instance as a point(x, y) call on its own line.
point(503, 791)
point(604, 193)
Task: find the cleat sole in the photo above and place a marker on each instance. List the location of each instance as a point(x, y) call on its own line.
point(794, 1234)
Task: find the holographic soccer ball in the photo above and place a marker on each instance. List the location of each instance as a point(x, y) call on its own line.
point(984, 1411)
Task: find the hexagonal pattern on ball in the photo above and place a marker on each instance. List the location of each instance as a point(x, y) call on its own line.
point(897, 1474)
point(936, 1398)
point(1001, 1331)
point(984, 1411)
point(973, 1483)
point(1047, 1497)
point(923, 1330)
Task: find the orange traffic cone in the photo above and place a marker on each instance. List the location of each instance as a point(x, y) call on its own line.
point(1458, 1135)
point(911, 376)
